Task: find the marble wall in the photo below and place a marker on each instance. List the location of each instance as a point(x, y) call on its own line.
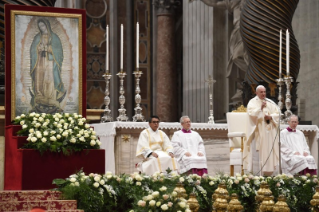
point(306, 29)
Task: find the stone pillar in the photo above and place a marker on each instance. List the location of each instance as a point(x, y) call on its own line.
point(166, 76)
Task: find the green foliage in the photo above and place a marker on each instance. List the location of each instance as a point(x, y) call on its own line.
point(66, 133)
point(154, 193)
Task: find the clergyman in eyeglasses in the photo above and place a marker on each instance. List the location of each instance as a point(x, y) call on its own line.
point(155, 148)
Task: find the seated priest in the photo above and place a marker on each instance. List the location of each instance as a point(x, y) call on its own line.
point(296, 158)
point(155, 148)
point(189, 149)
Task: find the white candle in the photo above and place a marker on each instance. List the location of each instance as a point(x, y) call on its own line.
point(121, 63)
point(107, 50)
point(280, 53)
point(287, 51)
point(137, 44)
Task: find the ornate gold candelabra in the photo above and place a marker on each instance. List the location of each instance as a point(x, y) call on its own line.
point(138, 110)
point(220, 197)
point(280, 82)
point(281, 205)
point(234, 204)
point(288, 113)
point(193, 203)
point(267, 203)
point(107, 112)
point(180, 190)
point(210, 82)
point(122, 116)
point(315, 200)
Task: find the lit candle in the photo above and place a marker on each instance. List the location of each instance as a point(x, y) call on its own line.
point(287, 51)
point(121, 63)
point(107, 50)
point(280, 53)
point(137, 43)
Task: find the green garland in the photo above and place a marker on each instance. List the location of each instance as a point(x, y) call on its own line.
point(141, 193)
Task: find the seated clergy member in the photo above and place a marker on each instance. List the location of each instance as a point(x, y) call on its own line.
point(155, 149)
point(189, 149)
point(296, 158)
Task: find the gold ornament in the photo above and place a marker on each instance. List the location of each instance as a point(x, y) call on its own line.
point(281, 205)
point(220, 196)
point(180, 190)
point(267, 203)
point(315, 200)
point(234, 204)
point(193, 203)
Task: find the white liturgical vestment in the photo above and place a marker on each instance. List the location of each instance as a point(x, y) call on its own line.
point(192, 143)
point(262, 137)
point(292, 142)
point(158, 142)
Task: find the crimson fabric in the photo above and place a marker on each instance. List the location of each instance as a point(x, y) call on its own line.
point(308, 171)
point(199, 172)
point(27, 169)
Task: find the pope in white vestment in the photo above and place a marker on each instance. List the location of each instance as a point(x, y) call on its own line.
point(260, 155)
point(295, 154)
point(155, 148)
point(189, 150)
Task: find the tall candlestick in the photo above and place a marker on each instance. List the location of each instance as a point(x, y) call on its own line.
point(137, 44)
point(107, 50)
point(121, 62)
point(280, 53)
point(287, 51)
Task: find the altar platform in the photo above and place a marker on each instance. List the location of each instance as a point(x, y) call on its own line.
point(119, 139)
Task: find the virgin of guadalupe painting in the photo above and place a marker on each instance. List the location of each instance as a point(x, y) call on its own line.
point(47, 76)
point(46, 58)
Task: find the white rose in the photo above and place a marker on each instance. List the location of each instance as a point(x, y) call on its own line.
point(44, 140)
point(81, 132)
point(32, 114)
point(164, 207)
point(152, 203)
point(21, 122)
point(78, 135)
point(77, 184)
point(181, 179)
point(31, 131)
point(58, 136)
point(93, 132)
point(80, 123)
point(82, 139)
point(93, 137)
point(155, 194)
point(41, 119)
point(56, 119)
point(45, 133)
point(66, 114)
point(188, 210)
point(70, 119)
point(65, 127)
point(37, 115)
point(75, 115)
point(182, 204)
point(24, 126)
point(22, 115)
point(87, 126)
point(73, 140)
point(52, 132)
point(92, 143)
point(73, 179)
point(18, 117)
point(98, 142)
point(33, 139)
point(96, 184)
point(39, 135)
point(70, 130)
point(29, 138)
point(158, 204)
point(138, 183)
point(52, 138)
point(59, 126)
point(102, 182)
point(65, 134)
point(109, 176)
point(86, 135)
point(163, 188)
point(97, 178)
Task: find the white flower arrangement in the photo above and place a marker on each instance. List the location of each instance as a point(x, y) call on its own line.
point(57, 133)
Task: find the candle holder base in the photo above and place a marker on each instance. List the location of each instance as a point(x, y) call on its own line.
point(107, 116)
point(138, 117)
point(211, 119)
point(122, 116)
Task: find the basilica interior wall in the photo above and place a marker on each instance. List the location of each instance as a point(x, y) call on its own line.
point(306, 29)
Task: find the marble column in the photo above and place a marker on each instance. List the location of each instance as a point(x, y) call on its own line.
point(166, 76)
